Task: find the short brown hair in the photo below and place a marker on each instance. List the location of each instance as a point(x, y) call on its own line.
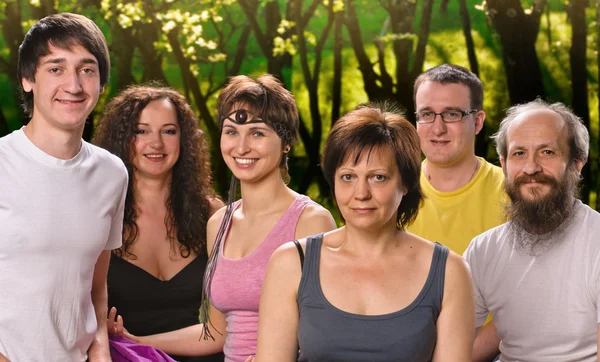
point(265, 96)
point(378, 126)
point(62, 30)
point(453, 74)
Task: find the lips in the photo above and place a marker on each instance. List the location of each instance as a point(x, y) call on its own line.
point(155, 156)
point(362, 210)
point(245, 161)
point(440, 142)
point(70, 101)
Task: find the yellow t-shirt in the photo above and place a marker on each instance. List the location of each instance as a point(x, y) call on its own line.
point(455, 218)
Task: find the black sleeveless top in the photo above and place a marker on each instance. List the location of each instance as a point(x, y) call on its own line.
point(326, 333)
point(149, 305)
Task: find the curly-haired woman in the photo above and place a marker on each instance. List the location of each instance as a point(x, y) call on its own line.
point(155, 278)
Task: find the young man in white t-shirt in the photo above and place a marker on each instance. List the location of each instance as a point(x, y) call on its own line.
point(61, 204)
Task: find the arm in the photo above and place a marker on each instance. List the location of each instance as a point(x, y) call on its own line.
point(313, 220)
point(3, 358)
point(99, 350)
point(278, 320)
point(487, 343)
point(189, 341)
point(456, 322)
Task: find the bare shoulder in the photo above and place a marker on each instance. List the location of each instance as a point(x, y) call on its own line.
point(213, 226)
point(457, 277)
point(215, 204)
point(285, 266)
point(313, 220)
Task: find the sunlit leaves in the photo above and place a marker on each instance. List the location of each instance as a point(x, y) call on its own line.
point(172, 16)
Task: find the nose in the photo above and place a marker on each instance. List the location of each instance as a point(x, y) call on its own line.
point(438, 126)
point(72, 83)
point(362, 189)
point(157, 140)
point(242, 146)
point(532, 166)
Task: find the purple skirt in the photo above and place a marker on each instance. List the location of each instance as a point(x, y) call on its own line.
point(126, 350)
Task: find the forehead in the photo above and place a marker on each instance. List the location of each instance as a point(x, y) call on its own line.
point(431, 94)
point(536, 127)
point(75, 52)
point(159, 110)
point(372, 157)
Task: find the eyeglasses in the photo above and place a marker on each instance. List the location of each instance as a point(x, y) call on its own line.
point(453, 116)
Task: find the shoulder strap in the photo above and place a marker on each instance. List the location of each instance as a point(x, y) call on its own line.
point(300, 253)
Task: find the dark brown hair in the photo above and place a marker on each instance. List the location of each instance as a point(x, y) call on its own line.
point(64, 31)
point(266, 97)
point(372, 126)
point(188, 207)
point(451, 74)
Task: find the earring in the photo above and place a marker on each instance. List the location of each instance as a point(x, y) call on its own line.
point(286, 149)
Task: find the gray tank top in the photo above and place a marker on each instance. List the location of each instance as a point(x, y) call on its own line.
point(328, 334)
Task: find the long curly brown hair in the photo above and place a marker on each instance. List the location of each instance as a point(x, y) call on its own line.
point(188, 206)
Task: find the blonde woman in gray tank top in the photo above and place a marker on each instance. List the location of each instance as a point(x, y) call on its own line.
point(368, 291)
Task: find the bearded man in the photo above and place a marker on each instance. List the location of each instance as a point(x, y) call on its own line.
point(539, 274)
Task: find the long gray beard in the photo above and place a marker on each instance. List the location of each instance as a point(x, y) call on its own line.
point(537, 225)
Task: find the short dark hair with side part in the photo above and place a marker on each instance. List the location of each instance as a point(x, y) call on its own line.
point(64, 31)
point(450, 74)
point(372, 126)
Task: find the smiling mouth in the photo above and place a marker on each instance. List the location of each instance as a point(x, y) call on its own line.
point(245, 161)
point(69, 101)
point(438, 142)
point(156, 156)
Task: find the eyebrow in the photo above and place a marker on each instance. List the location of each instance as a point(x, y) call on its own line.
point(164, 125)
point(64, 60)
point(449, 108)
point(543, 145)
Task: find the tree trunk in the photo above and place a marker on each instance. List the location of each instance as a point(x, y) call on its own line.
point(12, 32)
point(370, 77)
point(518, 32)
point(466, 26)
point(577, 55)
point(4, 129)
point(336, 88)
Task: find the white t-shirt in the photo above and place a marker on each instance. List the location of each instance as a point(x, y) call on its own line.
point(56, 217)
point(545, 308)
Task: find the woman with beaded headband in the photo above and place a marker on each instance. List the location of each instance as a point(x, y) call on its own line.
point(153, 278)
point(258, 119)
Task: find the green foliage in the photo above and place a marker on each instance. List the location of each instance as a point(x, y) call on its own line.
point(202, 37)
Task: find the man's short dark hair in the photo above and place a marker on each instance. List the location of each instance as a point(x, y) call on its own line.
point(63, 30)
point(449, 74)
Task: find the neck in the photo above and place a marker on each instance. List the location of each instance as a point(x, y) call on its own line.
point(151, 193)
point(266, 195)
point(371, 242)
point(61, 144)
point(451, 178)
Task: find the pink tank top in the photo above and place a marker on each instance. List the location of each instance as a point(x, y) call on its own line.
point(237, 283)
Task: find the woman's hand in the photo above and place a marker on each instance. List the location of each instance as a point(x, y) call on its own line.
point(250, 359)
point(115, 326)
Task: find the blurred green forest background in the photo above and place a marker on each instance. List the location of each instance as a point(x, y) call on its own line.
point(333, 55)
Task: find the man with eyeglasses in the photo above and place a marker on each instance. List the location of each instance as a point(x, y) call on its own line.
point(464, 193)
